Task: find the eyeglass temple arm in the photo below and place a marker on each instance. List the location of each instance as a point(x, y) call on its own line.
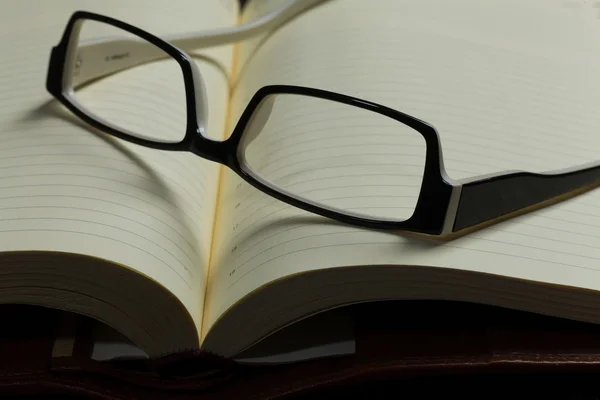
point(124, 53)
point(489, 200)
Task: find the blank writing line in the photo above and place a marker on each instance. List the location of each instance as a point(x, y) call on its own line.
point(100, 224)
point(102, 237)
point(184, 238)
point(96, 188)
point(543, 238)
point(406, 244)
point(105, 178)
point(105, 213)
point(290, 241)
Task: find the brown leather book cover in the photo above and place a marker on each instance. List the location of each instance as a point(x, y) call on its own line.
point(429, 348)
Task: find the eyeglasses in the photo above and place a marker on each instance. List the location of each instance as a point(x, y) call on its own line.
point(337, 156)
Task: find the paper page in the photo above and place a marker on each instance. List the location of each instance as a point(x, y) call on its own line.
point(66, 188)
point(252, 11)
point(507, 84)
point(324, 335)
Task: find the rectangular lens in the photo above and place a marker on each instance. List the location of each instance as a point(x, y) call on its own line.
point(128, 83)
point(339, 157)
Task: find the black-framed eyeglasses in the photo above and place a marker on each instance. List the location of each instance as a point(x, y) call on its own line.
point(337, 156)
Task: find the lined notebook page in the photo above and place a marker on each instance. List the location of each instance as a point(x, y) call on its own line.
point(508, 85)
point(66, 188)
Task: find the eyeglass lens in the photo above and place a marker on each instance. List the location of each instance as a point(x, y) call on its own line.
point(117, 98)
point(339, 157)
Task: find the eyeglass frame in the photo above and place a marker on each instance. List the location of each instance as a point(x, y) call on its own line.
point(445, 209)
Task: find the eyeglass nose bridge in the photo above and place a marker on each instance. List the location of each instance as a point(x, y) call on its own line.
point(213, 150)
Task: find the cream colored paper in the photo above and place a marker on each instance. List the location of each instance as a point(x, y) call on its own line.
point(66, 188)
point(503, 92)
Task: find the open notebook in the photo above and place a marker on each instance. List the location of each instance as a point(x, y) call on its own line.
point(177, 253)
